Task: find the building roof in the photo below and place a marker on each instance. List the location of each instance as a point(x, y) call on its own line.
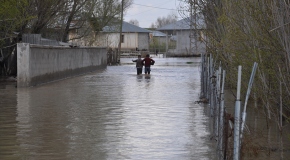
point(183, 24)
point(126, 28)
point(158, 34)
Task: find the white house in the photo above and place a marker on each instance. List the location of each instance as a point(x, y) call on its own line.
point(133, 37)
point(186, 43)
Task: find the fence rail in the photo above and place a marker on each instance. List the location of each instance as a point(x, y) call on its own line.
point(36, 39)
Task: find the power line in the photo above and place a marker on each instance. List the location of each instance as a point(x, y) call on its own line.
point(154, 7)
point(144, 11)
point(150, 9)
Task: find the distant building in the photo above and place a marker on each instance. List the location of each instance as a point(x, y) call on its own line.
point(158, 41)
point(160, 36)
point(185, 40)
point(133, 37)
point(82, 34)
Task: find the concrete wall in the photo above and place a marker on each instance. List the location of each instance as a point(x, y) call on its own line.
point(41, 64)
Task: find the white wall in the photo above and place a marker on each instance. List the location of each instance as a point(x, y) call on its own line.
point(109, 39)
point(38, 64)
point(143, 41)
point(130, 41)
point(183, 43)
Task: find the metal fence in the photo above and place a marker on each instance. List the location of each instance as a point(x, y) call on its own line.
point(36, 39)
point(212, 91)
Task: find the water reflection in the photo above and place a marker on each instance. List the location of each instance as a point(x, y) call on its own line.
point(262, 136)
point(111, 114)
point(8, 129)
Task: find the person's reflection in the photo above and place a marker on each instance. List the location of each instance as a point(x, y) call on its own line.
point(147, 77)
point(139, 77)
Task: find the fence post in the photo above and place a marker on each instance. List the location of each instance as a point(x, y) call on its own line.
point(237, 117)
point(221, 118)
point(244, 114)
point(202, 76)
point(217, 108)
point(205, 77)
point(208, 78)
point(211, 87)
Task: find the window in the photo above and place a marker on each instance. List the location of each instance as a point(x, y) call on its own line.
point(122, 39)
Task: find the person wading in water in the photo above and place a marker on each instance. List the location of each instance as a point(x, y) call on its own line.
point(148, 62)
point(139, 64)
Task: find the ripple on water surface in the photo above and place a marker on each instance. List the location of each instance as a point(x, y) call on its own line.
point(113, 114)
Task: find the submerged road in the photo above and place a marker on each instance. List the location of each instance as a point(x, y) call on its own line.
point(112, 114)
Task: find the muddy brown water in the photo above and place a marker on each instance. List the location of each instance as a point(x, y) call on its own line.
point(114, 114)
point(109, 114)
point(263, 140)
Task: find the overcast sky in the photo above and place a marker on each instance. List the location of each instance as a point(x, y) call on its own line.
point(147, 11)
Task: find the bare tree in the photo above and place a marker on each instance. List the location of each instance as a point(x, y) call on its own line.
point(53, 19)
point(13, 15)
point(161, 21)
point(152, 25)
point(44, 11)
point(74, 7)
point(244, 32)
point(134, 22)
point(56, 18)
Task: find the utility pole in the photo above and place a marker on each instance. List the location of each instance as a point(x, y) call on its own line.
point(121, 25)
point(191, 29)
point(193, 26)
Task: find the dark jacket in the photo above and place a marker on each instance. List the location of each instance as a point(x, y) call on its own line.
point(148, 61)
point(139, 63)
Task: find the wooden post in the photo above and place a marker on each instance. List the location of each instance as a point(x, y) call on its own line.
point(121, 25)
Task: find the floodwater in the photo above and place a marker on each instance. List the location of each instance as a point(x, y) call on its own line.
point(263, 139)
point(108, 115)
